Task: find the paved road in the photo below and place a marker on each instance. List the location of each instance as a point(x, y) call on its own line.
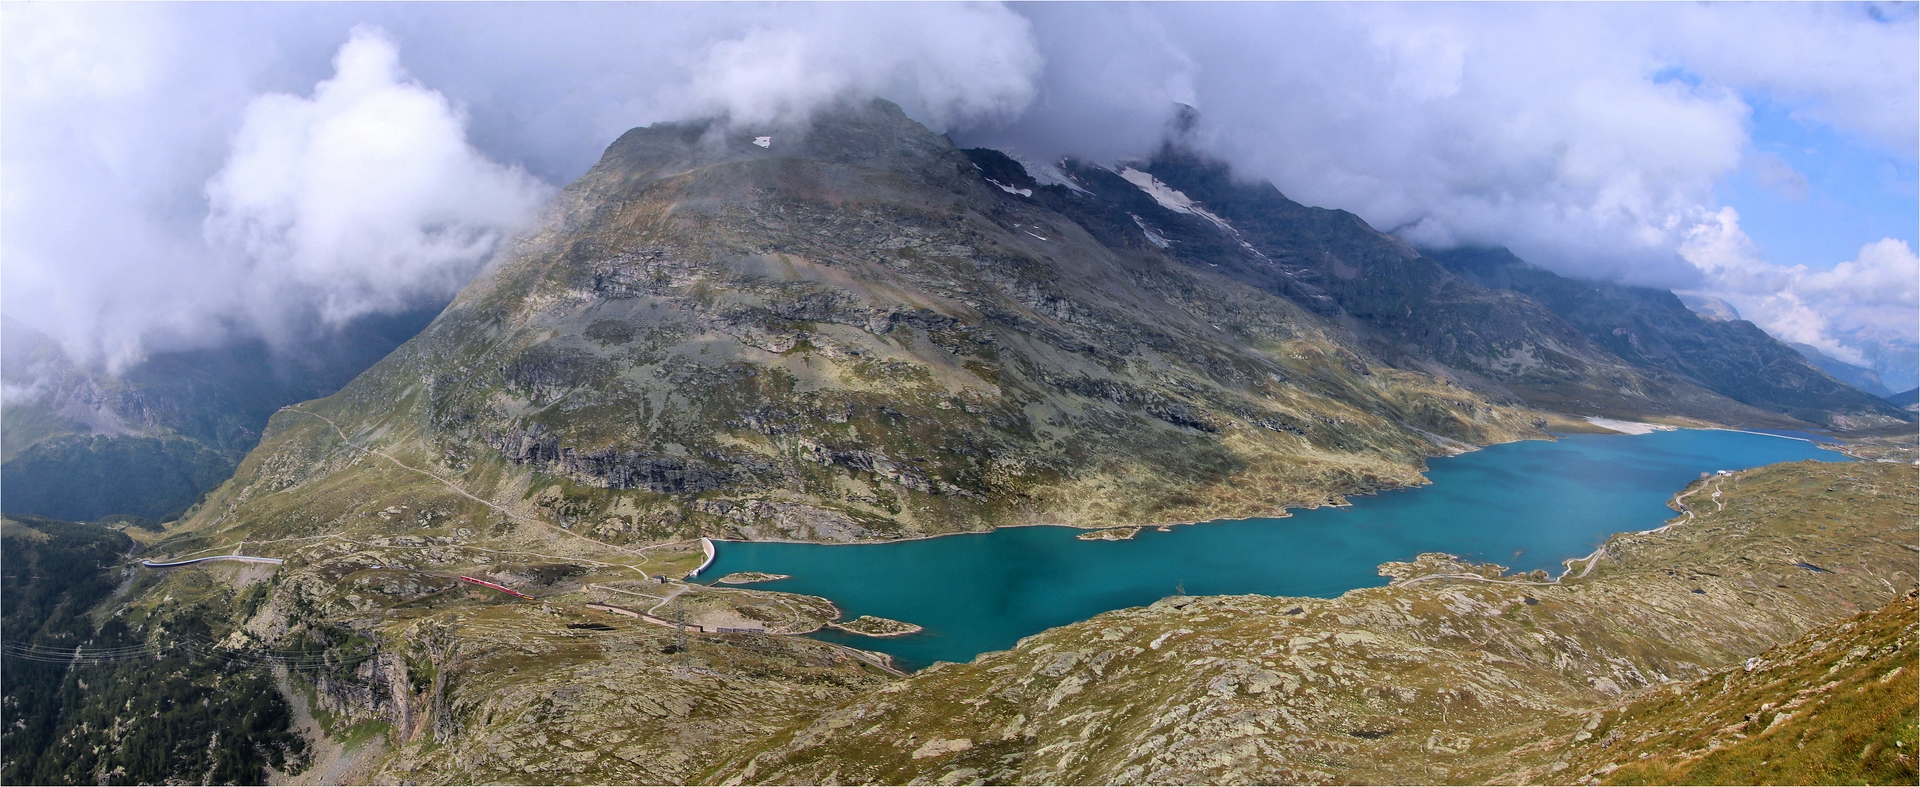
point(242, 558)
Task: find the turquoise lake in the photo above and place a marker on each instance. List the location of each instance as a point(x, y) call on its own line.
point(1525, 505)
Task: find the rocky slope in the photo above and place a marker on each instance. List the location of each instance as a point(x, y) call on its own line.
point(1407, 308)
point(1654, 330)
point(1451, 674)
point(851, 334)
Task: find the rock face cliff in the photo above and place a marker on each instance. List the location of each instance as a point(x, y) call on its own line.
point(854, 333)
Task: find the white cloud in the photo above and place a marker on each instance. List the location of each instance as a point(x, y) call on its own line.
point(1779, 177)
point(1851, 312)
point(175, 175)
point(365, 197)
point(944, 63)
point(111, 124)
point(1587, 137)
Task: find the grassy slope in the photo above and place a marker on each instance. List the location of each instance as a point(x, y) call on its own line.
point(1836, 706)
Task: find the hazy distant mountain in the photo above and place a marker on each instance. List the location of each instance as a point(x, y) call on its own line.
point(1857, 376)
point(1896, 360)
point(1711, 308)
point(1653, 330)
point(80, 444)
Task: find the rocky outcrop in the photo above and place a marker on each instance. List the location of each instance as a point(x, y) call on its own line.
point(609, 468)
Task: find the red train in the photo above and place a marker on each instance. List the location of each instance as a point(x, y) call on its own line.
point(506, 590)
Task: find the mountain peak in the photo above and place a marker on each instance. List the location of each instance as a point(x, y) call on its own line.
point(874, 133)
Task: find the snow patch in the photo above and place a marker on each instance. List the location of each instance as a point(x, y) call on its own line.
point(1628, 427)
point(1011, 190)
point(1152, 237)
point(1047, 174)
point(765, 142)
point(1171, 198)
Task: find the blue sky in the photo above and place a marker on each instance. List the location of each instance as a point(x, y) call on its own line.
point(1855, 192)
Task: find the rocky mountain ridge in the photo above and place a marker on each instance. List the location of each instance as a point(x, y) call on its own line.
point(849, 335)
point(1591, 348)
point(1653, 329)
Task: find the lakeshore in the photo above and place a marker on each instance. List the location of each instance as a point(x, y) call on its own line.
point(1531, 505)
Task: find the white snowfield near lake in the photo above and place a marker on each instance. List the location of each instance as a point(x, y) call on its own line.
point(1628, 427)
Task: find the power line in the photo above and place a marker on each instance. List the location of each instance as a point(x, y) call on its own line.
point(194, 646)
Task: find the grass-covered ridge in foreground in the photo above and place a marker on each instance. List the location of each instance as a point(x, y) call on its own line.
point(1836, 706)
point(1443, 679)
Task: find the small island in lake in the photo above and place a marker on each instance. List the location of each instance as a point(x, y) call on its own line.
point(749, 577)
point(1110, 534)
point(870, 626)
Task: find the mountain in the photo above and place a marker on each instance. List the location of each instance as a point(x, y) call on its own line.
point(1893, 358)
point(1906, 400)
point(1421, 311)
point(79, 443)
point(1653, 330)
point(1711, 308)
point(849, 335)
point(854, 331)
point(1857, 376)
